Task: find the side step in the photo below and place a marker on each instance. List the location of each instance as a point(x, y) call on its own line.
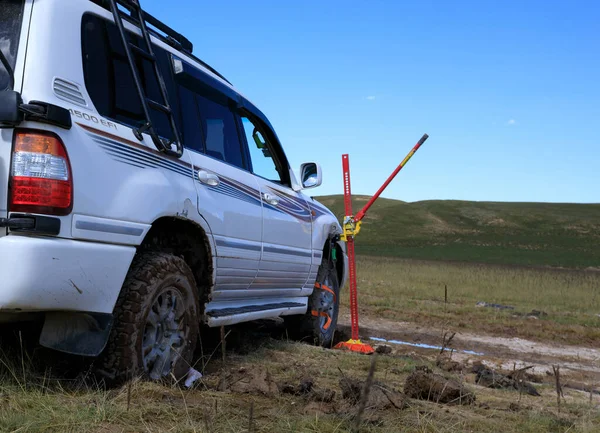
point(229, 315)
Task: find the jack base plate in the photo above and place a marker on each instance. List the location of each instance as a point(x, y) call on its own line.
point(355, 346)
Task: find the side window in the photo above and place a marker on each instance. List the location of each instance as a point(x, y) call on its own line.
point(264, 162)
point(190, 120)
point(220, 132)
point(109, 80)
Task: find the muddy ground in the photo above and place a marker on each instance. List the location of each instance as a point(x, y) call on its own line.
point(579, 365)
point(269, 381)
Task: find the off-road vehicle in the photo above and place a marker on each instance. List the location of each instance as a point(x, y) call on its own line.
point(142, 196)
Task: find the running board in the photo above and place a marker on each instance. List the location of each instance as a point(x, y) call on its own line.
point(231, 315)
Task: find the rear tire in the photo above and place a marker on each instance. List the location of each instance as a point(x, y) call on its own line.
point(311, 326)
point(156, 323)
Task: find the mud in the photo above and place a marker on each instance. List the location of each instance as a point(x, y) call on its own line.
point(493, 379)
point(423, 384)
point(381, 396)
point(248, 381)
point(578, 363)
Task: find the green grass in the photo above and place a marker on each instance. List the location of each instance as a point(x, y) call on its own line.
point(410, 290)
point(530, 234)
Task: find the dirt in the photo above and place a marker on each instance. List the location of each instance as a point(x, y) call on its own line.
point(307, 389)
point(248, 381)
point(423, 384)
point(578, 364)
point(496, 380)
point(381, 396)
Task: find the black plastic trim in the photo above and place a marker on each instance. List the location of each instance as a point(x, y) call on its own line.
point(44, 112)
point(10, 114)
point(35, 224)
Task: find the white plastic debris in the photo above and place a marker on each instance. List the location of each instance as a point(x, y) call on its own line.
point(192, 376)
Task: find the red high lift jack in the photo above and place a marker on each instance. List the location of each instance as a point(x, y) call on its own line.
point(351, 227)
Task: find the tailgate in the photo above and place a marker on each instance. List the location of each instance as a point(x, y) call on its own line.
point(14, 25)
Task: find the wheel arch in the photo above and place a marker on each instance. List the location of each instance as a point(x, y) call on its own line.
point(189, 240)
point(341, 259)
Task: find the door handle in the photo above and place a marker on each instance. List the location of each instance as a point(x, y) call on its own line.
point(270, 198)
point(207, 178)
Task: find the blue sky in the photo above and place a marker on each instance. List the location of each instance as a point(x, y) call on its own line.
point(509, 91)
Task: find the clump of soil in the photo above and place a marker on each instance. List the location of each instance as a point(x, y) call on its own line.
point(255, 380)
point(384, 349)
point(381, 396)
point(307, 388)
point(447, 364)
point(495, 380)
point(423, 384)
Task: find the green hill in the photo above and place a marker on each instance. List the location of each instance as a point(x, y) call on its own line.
point(533, 234)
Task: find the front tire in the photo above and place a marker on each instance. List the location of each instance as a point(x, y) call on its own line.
point(320, 321)
point(156, 322)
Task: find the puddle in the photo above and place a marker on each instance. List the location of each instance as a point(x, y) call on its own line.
point(422, 346)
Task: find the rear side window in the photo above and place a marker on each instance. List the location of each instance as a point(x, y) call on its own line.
point(190, 120)
point(11, 17)
point(220, 131)
point(109, 80)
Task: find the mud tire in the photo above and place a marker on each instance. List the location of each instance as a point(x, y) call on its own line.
point(150, 274)
point(310, 327)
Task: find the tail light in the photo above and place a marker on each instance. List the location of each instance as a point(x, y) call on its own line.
point(41, 180)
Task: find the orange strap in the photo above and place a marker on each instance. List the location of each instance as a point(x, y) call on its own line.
point(327, 289)
point(322, 314)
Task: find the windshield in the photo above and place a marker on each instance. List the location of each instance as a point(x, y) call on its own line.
point(11, 16)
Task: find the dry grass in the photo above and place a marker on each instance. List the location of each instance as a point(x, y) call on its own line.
point(409, 290)
point(32, 399)
point(36, 404)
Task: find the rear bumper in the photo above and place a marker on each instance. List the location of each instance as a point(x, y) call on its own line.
point(50, 274)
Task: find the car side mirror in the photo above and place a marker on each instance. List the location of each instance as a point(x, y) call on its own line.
point(311, 175)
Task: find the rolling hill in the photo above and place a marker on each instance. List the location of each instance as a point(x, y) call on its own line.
point(531, 234)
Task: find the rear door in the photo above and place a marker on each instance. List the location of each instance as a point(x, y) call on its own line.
point(228, 194)
point(287, 219)
point(14, 24)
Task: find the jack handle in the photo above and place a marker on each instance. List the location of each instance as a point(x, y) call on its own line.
point(361, 214)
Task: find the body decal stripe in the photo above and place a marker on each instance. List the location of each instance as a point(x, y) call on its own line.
point(234, 244)
point(278, 250)
point(140, 156)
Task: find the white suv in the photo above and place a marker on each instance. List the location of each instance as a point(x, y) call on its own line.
point(143, 195)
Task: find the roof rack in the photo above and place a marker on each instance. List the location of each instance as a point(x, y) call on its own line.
point(184, 42)
point(170, 37)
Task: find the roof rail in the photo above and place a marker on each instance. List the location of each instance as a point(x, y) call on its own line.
point(173, 38)
point(184, 42)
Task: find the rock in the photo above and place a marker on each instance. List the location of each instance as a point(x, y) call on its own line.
point(423, 384)
point(384, 349)
point(249, 381)
point(381, 396)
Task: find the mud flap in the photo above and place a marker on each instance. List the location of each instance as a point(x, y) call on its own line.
point(84, 334)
